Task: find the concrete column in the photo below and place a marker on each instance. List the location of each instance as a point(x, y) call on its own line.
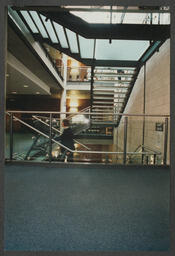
point(63, 95)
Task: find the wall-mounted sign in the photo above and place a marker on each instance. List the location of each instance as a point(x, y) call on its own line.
point(159, 127)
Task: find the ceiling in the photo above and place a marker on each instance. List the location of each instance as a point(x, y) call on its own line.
point(120, 38)
point(18, 47)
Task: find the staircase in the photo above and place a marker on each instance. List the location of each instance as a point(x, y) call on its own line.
point(110, 90)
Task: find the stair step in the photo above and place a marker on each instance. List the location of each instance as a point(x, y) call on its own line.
point(111, 87)
point(112, 75)
point(112, 82)
point(97, 106)
point(103, 92)
point(103, 97)
point(101, 110)
point(103, 102)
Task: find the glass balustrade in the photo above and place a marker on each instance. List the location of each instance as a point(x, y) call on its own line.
point(99, 137)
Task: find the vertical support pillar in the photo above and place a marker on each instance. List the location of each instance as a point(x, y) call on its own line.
point(125, 139)
point(50, 138)
point(11, 136)
point(92, 84)
point(144, 107)
point(63, 96)
point(165, 141)
point(115, 144)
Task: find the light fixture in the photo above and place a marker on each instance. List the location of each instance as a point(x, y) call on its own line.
point(14, 92)
point(25, 86)
point(74, 103)
point(73, 109)
point(37, 92)
point(7, 75)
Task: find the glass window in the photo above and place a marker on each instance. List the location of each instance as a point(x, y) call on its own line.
point(61, 35)
point(72, 41)
point(29, 21)
point(50, 29)
point(86, 47)
point(120, 49)
point(39, 24)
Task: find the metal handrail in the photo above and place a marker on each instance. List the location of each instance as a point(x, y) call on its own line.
point(148, 148)
point(77, 151)
point(85, 113)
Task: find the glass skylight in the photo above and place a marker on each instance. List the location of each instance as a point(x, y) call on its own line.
point(120, 15)
point(72, 41)
point(61, 35)
point(29, 21)
point(86, 47)
point(120, 49)
point(50, 29)
point(93, 17)
point(39, 24)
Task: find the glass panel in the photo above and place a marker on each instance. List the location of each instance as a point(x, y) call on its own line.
point(123, 17)
point(61, 35)
point(164, 18)
point(136, 18)
point(39, 24)
point(117, 17)
point(120, 49)
point(72, 41)
point(86, 47)
point(99, 136)
point(50, 29)
point(93, 17)
point(29, 21)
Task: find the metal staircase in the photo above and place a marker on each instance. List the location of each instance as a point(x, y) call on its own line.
point(110, 91)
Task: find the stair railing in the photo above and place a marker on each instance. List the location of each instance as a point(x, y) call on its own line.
point(53, 128)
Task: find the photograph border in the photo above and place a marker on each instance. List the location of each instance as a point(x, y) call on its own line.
point(3, 52)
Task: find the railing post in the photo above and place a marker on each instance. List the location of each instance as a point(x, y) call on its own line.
point(125, 139)
point(165, 141)
point(11, 136)
point(154, 159)
point(50, 138)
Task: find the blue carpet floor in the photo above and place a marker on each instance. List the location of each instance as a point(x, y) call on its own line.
point(86, 209)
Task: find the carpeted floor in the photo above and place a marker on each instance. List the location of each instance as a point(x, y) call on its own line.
point(86, 209)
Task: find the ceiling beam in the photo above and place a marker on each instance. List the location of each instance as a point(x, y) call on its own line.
point(113, 31)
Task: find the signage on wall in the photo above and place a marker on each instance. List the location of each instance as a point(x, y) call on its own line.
point(159, 127)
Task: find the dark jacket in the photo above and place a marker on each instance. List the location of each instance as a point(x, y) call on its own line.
point(66, 138)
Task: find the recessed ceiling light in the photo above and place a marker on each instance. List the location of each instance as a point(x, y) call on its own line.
point(37, 92)
point(26, 86)
point(14, 92)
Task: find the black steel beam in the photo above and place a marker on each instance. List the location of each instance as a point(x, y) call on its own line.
point(87, 62)
point(113, 31)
